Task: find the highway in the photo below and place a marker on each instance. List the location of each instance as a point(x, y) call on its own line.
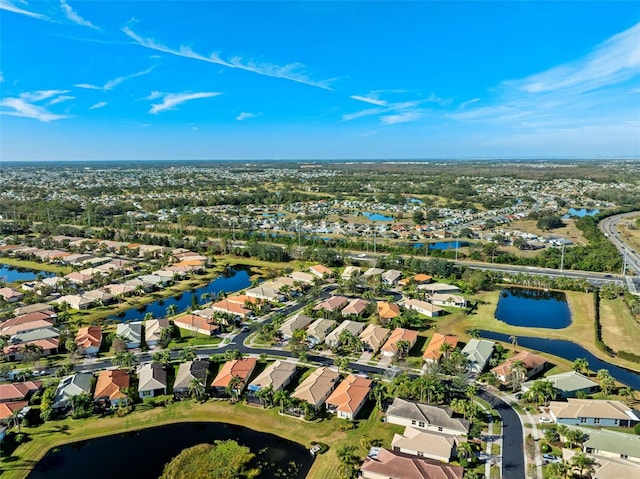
point(609, 226)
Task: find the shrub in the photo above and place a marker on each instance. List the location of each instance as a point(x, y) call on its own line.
point(636, 429)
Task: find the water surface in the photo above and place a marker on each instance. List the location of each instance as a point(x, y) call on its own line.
point(9, 274)
point(533, 308)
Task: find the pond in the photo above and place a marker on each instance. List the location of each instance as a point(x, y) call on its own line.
point(378, 217)
point(533, 308)
point(570, 351)
point(580, 213)
point(143, 454)
point(9, 274)
point(231, 280)
point(443, 245)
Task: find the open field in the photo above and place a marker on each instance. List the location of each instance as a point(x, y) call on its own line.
point(568, 231)
point(57, 433)
point(620, 331)
point(580, 331)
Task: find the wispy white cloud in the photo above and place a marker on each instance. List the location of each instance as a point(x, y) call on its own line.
point(171, 100)
point(468, 102)
point(60, 99)
point(389, 112)
point(294, 71)
point(24, 105)
point(100, 104)
point(591, 90)
point(245, 115)
point(111, 84)
point(74, 17)
point(12, 7)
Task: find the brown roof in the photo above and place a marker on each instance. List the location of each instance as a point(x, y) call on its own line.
point(230, 307)
point(388, 310)
point(529, 360)
point(18, 391)
point(89, 336)
point(356, 306)
point(396, 465)
point(350, 394)
point(111, 383)
point(196, 322)
point(47, 344)
point(239, 367)
point(28, 318)
point(7, 409)
point(433, 351)
point(399, 334)
point(332, 304)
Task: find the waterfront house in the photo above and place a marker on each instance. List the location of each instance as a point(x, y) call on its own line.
point(568, 384)
point(131, 333)
point(241, 368)
point(452, 300)
point(592, 412)
point(88, 340)
point(70, 387)
point(424, 308)
point(478, 352)
point(197, 324)
point(152, 380)
point(276, 375)
point(197, 370)
point(347, 399)
point(153, 330)
point(111, 386)
point(317, 387)
point(531, 365)
point(386, 464)
point(425, 416)
point(430, 444)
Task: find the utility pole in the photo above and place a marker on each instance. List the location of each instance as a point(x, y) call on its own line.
point(562, 259)
point(457, 247)
point(374, 241)
point(624, 264)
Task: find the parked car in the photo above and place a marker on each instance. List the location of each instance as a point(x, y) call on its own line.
point(549, 458)
point(546, 420)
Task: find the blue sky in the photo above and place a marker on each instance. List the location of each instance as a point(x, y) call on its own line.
point(84, 80)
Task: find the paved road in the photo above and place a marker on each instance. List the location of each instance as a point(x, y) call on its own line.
point(513, 464)
point(609, 226)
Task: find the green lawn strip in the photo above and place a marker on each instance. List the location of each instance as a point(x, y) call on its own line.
point(620, 330)
point(51, 268)
point(57, 433)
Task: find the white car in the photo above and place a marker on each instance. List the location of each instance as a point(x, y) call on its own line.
point(545, 420)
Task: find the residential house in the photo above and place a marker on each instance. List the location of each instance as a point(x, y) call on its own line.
point(265, 294)
point(430, 444)
point(35, 308)
point(334, 303)
point(317, 387)
point(531, 364)
point(353, 327)
point(298, 321)
point(120, 289)
point(153, 330)
point(612, 444)
point(301, 277)
point(197, 324)
point(390, 348)
point(568, 384)
point(435, 349)
point(614, 468)
point(478, 352)
point(321, 271)
point(439, 288)
point(276, 375)
point(391, 277)
point(425, 416)
point(75, 301)
point(131, 333)
point(197, 369)
point(111, 387)
point(78, 278)
point(350, 271)
point(11, 295)
point(592, 412)
point(387, 310)
point(373, 337)
point(88, 340)
point(318, 330)
point(22, 324)
point(372, 272)
point(347, 399)
point(386, 464)
point(154, 281)
point(452, 300)
point(22, 391)
point(241, 368)
point(230, 307)
point(356, 307)
point(47, 345)
point(100, 296)
point(424, 308)
point(70, 387)
point(419, 278)
point(152, 380)
point(8, 409)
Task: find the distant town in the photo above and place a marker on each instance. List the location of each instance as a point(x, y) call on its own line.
point(409, 320)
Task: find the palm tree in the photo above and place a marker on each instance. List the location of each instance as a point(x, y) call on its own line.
point(474, 333)
point(281, 397)
point(559, 470)
point(582, 465)
point(445, 349)
point(607, 383)
point(514, 342)
point(379, 393)
point(580, 365)
point(196, 389)
point(627, 392)
point(234, 388)
point(4, 342)
point(148, 316)
point(187, 354)
point(541, 391)
point(402, 348)
point(266, 395)
point(125, 359)
point(163, 357)
point(465, 450)
point(172, 310)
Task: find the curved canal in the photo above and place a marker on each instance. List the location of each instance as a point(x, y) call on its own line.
point(143, 454)
point(570, 351)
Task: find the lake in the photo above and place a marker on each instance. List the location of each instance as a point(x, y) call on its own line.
point(231, 280)
point(569, 351)
point(378, 217)
point(533, 308)
point(580, 213)
point(143, 454)
point(443, 245)
point(9, 274)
